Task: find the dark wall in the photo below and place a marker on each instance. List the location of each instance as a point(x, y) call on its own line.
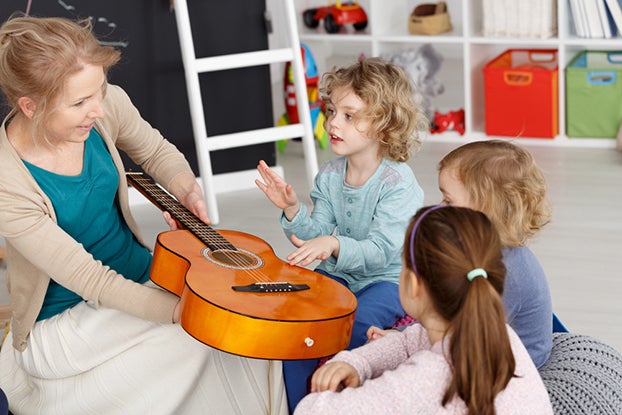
point(151, 70)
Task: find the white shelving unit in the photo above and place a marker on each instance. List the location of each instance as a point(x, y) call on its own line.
point(465, 51)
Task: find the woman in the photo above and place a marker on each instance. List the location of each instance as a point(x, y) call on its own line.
point(90, 333)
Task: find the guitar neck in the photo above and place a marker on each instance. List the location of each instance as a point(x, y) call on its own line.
point(165, 202)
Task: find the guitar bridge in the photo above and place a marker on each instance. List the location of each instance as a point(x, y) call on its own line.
point(270, 287)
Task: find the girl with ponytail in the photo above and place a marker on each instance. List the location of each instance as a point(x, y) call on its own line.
point(461, 357)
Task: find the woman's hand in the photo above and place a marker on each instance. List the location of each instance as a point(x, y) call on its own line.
point(334, 376)
point(277, 190)
point(308, 251)
point(188, 192)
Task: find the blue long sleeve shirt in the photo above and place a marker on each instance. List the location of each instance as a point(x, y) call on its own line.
point(527, 302)
point(369, 221)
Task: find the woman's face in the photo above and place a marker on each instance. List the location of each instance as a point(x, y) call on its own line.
point(453, 190)
point(80, 104)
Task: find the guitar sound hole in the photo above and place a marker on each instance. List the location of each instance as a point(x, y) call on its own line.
point(236, 259)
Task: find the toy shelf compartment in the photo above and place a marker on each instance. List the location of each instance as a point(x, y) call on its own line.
point(521, 95)
point(594, 94)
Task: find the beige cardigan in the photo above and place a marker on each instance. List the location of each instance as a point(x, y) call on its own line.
point(39, 250)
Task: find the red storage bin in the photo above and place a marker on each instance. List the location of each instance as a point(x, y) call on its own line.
point(521, 94)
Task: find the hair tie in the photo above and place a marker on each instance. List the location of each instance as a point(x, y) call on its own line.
point(477, 272)
point(414, 231)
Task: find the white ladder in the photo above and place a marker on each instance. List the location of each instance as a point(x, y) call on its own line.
point(193, 66)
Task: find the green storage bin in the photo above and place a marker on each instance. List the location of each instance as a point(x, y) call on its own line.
point(594, 94)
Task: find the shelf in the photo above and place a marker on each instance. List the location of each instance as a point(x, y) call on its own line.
point(465, 53)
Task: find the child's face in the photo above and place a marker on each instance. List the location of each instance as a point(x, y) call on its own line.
point(347, 128)
point(453, 190)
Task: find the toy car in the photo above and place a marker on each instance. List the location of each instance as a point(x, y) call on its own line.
point(336, 15)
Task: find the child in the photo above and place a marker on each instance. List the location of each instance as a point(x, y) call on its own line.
point(361, 199)
point(503, 181)
point(462, 358)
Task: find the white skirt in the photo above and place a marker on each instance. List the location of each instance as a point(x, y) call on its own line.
point(103, 361)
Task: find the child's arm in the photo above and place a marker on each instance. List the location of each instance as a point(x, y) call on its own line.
point(278, 190)
point(317, 248)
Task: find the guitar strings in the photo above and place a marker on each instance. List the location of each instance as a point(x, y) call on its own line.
point(208, 235)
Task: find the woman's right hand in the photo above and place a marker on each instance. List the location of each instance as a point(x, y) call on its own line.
point(277, 190)
point(334, 376)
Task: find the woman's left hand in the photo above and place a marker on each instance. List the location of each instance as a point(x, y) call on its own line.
point(188, 192)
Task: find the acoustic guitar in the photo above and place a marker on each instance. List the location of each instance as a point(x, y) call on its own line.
point(238, 296)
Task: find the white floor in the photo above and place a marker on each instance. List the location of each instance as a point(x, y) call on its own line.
point(580, 250)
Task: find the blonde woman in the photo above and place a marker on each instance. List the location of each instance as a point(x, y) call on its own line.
point(90, 334)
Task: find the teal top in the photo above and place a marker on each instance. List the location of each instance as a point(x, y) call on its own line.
point(86, 209)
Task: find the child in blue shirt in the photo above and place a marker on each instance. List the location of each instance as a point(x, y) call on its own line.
point(362, 200)
point(502, 180)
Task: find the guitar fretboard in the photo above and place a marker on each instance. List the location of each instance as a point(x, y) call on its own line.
point(164, 201)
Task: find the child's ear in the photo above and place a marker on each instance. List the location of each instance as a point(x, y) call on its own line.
point(414, 285)
point(27, 105)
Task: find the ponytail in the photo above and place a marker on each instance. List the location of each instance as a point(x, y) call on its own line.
point(456, 252)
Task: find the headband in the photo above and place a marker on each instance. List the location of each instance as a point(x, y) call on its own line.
point(414, 231)
point(474, 273)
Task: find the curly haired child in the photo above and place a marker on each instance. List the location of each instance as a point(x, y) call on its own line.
point(362, 199)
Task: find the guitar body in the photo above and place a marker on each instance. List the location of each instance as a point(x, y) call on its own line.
point(309, 323)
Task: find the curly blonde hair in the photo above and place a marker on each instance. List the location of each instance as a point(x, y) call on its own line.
point(386, 90)
point(38, 54)
point(504, 182)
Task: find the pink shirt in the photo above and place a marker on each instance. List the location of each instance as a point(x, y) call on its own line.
point(402, 373)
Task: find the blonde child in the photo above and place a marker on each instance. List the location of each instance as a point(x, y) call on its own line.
point(361, 200)
point(502, 180)
point(461, 358)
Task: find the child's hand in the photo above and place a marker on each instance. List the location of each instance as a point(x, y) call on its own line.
point(277, 190)
point(374, 333)
point(333, 376)
point(308, 251)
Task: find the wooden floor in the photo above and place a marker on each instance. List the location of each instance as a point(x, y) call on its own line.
point(580, 250)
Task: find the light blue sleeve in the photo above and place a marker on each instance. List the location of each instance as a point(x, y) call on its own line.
point(322, 219)
point(383, 245)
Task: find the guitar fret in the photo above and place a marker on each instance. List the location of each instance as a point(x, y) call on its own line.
point(165, 201)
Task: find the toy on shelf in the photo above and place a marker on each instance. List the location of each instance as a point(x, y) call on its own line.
point(422, 65)
point(315, 103)
point(429, 19)
point(336, 15)
point(452, 120)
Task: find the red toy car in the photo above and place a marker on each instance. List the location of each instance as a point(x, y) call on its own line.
point(336, 15)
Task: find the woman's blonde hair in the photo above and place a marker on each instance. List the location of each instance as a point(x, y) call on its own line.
point(38, 54)
point(386, 90)
point(503, 181)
